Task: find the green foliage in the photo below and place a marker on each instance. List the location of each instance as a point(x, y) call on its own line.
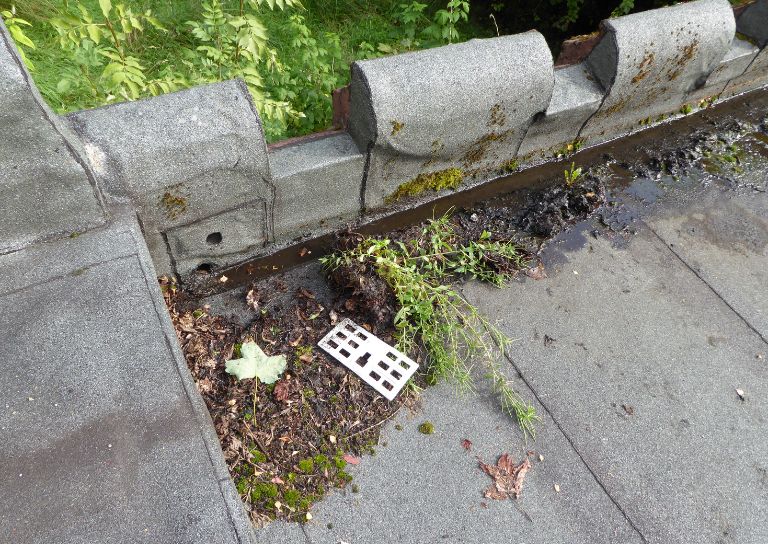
point(445, 23)
point(16, 26)
point(572, 175)
point(433, 315)
point(94, 52)
point(254, 363)
point(623, 8)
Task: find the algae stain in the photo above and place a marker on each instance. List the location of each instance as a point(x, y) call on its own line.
point(450, 178)
point(478, 150)
point(498, 117)
point(173, 204)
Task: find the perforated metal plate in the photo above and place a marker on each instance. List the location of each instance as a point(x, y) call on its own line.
point(377, 363)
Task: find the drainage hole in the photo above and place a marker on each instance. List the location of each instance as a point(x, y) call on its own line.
point(214, 238)
point(205, 267)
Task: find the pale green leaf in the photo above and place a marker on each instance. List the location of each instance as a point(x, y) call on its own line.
point(254, 363)
point(106, 7)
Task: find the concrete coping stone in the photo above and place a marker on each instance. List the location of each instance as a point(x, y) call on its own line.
point(463, 106)
point(183, 158)
point(317, 185)
point(649, 61)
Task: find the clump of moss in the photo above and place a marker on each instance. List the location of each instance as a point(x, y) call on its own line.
point(426, 428)
point(509, 166)
point(174, 205)
point(258, 457)
point(686, 109)
point(450, 178)
point(307, 466)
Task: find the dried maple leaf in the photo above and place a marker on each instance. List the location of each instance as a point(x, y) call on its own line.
point(507, 477)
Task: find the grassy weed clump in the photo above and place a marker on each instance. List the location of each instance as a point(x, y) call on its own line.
point(432, 316)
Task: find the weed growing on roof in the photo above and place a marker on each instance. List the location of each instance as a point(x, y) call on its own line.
point(572, 175)
point(432, 316)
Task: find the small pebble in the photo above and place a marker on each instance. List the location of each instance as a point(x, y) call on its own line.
point(473, 218)
point(557, 488)
point(740, 393)
point(541, 457)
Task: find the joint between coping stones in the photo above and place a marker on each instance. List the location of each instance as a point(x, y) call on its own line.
point(171, 258)
point(606, 90)
point(79, 160)
point(751, 62)
point(364, 180)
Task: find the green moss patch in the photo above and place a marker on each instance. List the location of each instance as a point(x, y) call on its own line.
point(450, 178)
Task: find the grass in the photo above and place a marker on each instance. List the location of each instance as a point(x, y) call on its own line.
point(433, 316)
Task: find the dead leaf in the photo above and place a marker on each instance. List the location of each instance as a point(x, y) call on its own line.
point(466, 444)
point(306, 357)
point(507, 477)
point(277, 480)
point(281, 391)
point(536, 273)
point(306, 294)
point(351, 459)
point(304, 251)
point(252, 299)
point(628, 409)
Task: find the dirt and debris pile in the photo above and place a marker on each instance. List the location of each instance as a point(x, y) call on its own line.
point(285, 444)
point(550, 211)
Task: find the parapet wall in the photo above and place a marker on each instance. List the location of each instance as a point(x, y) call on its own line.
point(209, 193)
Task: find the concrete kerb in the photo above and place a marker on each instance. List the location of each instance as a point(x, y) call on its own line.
point(46, 187)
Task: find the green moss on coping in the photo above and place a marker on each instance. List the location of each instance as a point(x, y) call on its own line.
point(450, 178)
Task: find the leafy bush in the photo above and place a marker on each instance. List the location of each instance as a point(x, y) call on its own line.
point(96, 52)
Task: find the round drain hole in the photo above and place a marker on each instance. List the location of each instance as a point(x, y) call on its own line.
point(214, 238)
point(206, 268)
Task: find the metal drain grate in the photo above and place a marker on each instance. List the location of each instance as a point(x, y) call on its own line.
point(377, 363)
